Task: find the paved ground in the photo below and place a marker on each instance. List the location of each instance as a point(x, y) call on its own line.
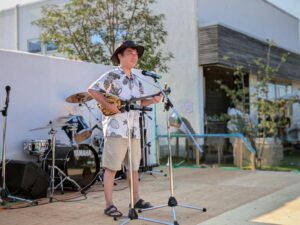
point(231, 197)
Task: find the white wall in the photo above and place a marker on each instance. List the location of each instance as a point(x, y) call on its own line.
point(26, 31)
point(39, 87)
point(256, 18)
point(29, 13)
point(8, 29)
point(183, 76)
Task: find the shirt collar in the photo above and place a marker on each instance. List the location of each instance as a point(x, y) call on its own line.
point(123, 73)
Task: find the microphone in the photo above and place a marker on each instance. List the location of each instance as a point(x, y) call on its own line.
point(141, 108)
point(7, 88)
point(151, 74)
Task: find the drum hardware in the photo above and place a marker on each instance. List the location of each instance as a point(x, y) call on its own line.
point(81, 136)
point(83, 132)
point(71, 128)
point(79, 98)
point(50, 125)
point(172, 202)
point(80, 163)
point(76, 129)
point(90, 111)
point(62, 175)
point(37, 148)
point(53, 167)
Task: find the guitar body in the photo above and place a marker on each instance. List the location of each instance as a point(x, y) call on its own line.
point(113, 100)
point(122, 104)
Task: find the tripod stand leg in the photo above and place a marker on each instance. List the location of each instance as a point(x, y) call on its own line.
point(61, 184)
point(172, 200)
point(192, 207)
point(157, 172)
point(174, 215)
point(132, 214)
point(68, 178)
point(152, 208)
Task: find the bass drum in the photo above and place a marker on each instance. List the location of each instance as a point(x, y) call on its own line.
point(79, 163)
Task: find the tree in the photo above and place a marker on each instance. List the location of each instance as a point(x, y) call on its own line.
point(90, 30)
point(269, 114)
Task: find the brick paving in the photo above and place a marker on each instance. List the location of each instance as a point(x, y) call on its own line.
point(216, 189)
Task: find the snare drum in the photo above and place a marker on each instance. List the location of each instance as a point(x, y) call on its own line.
point(82, 131)
point(36, 147)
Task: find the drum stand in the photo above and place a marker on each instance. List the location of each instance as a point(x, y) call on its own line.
point(132, 214)
point(145, 147)
point(172, 202)
point(4, 190)
point(90, 111)
point(61, 174)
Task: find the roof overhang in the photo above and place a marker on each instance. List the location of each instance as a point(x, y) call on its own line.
point(224, 46)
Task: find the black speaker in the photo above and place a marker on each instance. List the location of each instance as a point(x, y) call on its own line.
point(26, 179)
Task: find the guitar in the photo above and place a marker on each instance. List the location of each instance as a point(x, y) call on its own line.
point(122, 104)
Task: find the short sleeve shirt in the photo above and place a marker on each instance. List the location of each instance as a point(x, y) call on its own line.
point(116, 82)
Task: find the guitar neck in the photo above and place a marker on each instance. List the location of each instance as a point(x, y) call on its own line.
point(144, 97)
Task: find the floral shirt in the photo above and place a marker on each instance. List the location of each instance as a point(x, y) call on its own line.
point(116, 82)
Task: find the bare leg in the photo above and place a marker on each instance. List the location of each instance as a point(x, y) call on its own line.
point(109, 178)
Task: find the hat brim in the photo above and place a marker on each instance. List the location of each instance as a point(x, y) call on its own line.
point(114, 58)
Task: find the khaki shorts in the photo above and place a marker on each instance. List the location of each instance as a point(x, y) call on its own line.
point(115, 153)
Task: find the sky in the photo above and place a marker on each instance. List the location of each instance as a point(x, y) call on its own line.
point(291, 6)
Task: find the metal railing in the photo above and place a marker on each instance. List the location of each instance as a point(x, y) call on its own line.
point(247, 144)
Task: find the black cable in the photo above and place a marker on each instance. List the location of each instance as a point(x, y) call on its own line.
point(72, 199)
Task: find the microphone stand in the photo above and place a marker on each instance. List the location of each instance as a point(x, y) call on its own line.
point(132, 214)
point(145, 147)
point(5, 195)
point(172, 202)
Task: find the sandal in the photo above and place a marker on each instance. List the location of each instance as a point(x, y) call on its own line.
point(141, 204)
point(112, 211)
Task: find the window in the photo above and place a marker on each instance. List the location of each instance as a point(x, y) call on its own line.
point(34, 45)
point(277, 90)
point(51, 46)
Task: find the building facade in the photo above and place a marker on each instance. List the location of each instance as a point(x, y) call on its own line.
point(200, 34)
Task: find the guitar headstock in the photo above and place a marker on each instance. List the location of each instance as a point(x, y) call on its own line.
point(167, 90)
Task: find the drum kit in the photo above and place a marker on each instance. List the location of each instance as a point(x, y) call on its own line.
point(77, 165)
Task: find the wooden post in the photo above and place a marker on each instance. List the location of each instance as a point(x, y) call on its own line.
point(238, 155)
point(241, 149)
point(177, 146)
point(252, 159)
point(219, 154)
point(187, 148)
point(197, 155)
point(158, 151)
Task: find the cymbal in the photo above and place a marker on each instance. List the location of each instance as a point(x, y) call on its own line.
point(63, 119)
point(50, 125)
point(79, 98)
